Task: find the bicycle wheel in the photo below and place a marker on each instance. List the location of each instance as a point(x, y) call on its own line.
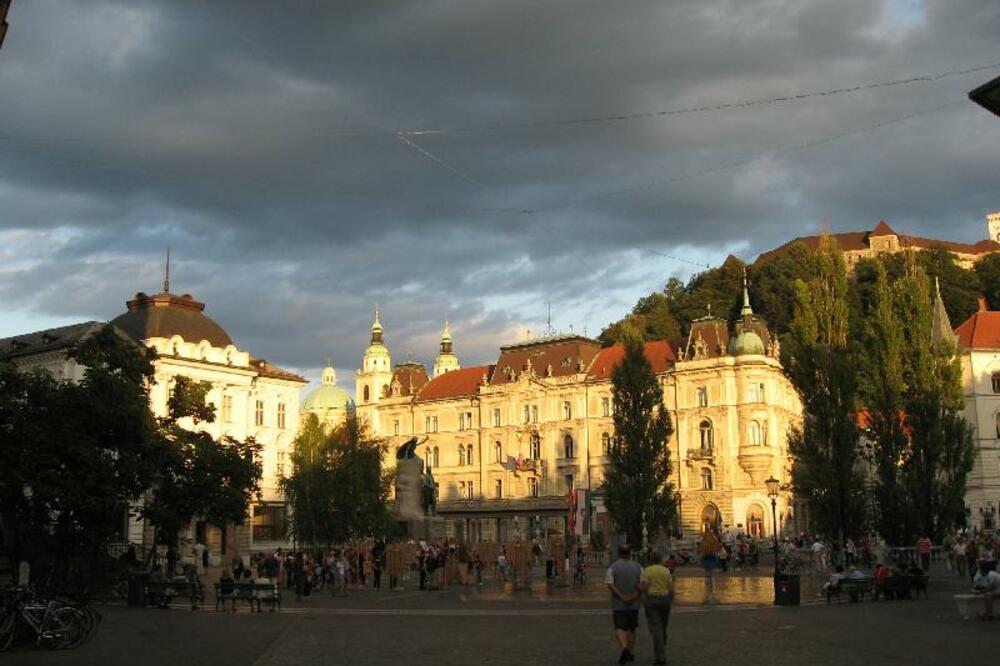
point(63, 629)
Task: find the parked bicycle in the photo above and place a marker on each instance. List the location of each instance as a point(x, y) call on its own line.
point(52, 623)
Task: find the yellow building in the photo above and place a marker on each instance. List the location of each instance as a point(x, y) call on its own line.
point(510, 439)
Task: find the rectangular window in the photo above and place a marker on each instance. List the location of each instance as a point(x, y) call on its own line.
point(259, 413)
point(532, 487)
point(605, 406)
point(496, 418)
point(281, 415)
point(569, 481)
point(427, 424)
point(280, 464)
point(498, 489)
point(227, 408)
point(434, 423)
point(395, 427)
point(468, 421)
point(703, 396)
point(534, 413)
point(761, 394)
point(470, 490)
point(461, 421)
point(527, 413)
point(567, 411)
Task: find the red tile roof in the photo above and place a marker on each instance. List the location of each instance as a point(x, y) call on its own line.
point(659, 354)
point(883, 229)
point(411, 377)
point(455, 384)
point(980, 331)
point(266, 369)
point(563, 355)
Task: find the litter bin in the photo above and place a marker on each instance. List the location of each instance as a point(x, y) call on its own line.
point(136, 589)
point(786, 590)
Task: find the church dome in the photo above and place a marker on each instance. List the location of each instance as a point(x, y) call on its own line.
point(746, 342)
point(165, 315)
point(328, 399)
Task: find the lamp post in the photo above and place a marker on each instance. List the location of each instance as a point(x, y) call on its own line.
point(772, 492)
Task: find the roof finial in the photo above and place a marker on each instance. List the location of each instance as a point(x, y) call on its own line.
point(166, 274)
point(746, 310)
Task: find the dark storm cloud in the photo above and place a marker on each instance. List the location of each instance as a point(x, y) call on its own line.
point(258, 139)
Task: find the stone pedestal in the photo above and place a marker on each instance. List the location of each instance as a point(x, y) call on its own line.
point(408, 504)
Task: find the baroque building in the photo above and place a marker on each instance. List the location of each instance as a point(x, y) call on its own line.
point(858, 245)
point(252, 397)
point(508, 441)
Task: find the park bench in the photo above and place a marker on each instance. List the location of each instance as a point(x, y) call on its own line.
point(854, 588)
point(904, 586)
point(161, 592)
point(252, 593)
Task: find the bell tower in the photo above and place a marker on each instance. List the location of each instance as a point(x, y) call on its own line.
point(372, 380)
point(993, 225)
point(446, 360)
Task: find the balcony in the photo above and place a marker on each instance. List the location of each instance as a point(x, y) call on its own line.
point(704, 454)
point(757, 462)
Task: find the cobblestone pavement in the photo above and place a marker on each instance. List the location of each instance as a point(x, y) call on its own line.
point(544, 625)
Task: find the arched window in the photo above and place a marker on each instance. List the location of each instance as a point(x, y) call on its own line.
point(995, 379)
point(755, 434)
point(461, 454)
point(536, 447)
point(367, 394)
point(436, 458)
point(605, 443)
point(706, 478)
point(706, 436)
point(497, 452)
point(755, 521)
point(568, 451)
point(711, 519)
point(468, 454)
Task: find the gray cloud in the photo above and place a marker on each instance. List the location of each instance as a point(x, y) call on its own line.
point(257, 138)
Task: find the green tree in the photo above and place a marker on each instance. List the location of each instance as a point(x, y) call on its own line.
point(74, 454)
point(819, 364)
point(772, 285)
point(337, 490)
point(199, 476)
point(988, 271)
point(636, 483)
point(651, 315)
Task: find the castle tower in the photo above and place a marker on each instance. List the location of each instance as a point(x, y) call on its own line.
point(993, 225)
point(446, 360)
point(372, 380)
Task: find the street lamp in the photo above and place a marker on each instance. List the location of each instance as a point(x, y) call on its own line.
point(773, 488)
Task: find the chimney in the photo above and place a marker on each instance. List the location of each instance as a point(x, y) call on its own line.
point(982, 303)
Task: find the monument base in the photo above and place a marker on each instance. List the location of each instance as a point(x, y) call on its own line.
point(428, 528)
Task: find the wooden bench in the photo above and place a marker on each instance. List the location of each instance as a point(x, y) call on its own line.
point(161, 592)
point(252, 593)
point(904, 586)
point(855, 588)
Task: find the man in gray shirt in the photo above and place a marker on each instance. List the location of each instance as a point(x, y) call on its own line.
point(622, 578)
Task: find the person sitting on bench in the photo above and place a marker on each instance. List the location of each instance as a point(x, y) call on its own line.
point(987, 583)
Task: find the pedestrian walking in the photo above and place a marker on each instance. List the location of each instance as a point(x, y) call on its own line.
point(658, 585)
point(623, 578)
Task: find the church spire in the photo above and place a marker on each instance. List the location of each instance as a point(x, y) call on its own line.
point(941, 329)
point(376, 329)
point(746, 310)
point(446, 360)
point(446, 338)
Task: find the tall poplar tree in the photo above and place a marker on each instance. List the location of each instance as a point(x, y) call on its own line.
point(636, 483)
point(819, 363)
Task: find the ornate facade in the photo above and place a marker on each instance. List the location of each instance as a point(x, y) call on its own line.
point(510, 439)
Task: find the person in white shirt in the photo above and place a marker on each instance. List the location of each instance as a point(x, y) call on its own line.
point(987, 583)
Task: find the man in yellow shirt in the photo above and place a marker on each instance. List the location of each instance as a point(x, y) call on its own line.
point(658, 584)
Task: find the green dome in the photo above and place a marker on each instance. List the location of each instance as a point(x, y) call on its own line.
point(328, 396)
point(746, 342)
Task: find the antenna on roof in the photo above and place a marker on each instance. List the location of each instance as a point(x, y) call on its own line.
point(166, 274)
point(549, 331)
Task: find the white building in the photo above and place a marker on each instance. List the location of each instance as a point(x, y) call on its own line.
point(979, 344)
point(252, 398)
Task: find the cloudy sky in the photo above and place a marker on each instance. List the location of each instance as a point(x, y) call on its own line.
point(307, 159)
